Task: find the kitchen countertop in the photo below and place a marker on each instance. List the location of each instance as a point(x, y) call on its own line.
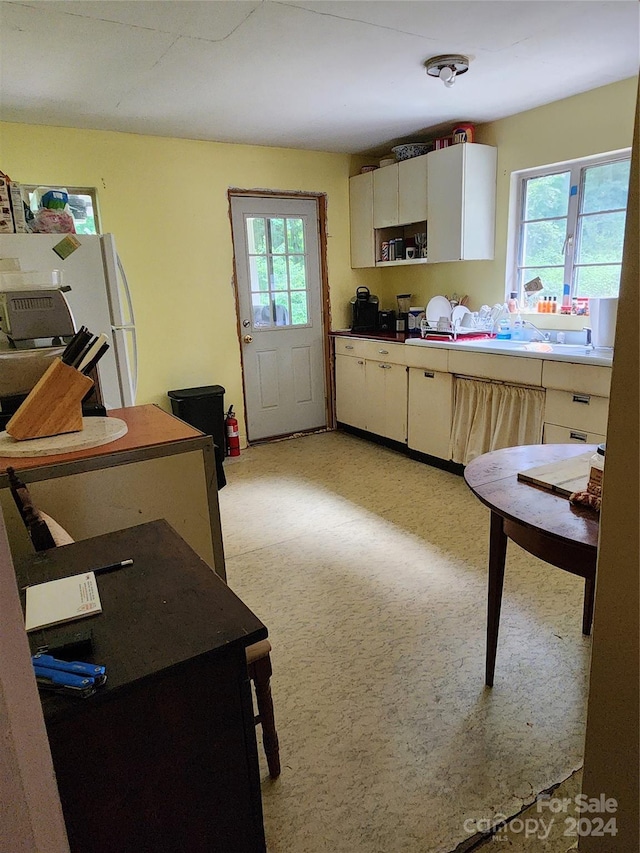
point(577, 354)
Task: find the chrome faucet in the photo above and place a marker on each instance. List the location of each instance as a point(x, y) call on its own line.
point(544, 336)
point(587, 329)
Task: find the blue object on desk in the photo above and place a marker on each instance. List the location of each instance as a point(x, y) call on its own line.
point(74, 677)
point(88, 670)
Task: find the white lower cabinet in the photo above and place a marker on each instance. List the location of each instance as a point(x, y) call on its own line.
point(386, 399)
point(405, 393)
point(430, 411)
point(372, 395)
point(577, 403)
point(350, 391)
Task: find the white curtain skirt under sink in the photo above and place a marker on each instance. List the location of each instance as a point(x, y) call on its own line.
point(489, 416)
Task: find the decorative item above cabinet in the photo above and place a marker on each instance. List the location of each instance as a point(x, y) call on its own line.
point(453, 189)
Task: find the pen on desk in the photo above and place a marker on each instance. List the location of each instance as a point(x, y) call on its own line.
point(112, 567)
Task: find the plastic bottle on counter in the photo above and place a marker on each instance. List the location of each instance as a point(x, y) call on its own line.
point(504, 330)
point(596, 471)
point(512, 304)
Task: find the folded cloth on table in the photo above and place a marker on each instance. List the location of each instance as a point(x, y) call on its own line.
point(586, 498)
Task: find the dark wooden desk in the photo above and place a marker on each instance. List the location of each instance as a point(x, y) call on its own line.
point(164, 756)
point(541, 522)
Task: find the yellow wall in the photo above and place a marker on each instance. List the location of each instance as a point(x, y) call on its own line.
point(166, 202)
point(592, 123)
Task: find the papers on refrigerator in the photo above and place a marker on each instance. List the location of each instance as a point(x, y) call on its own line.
point(63, 600)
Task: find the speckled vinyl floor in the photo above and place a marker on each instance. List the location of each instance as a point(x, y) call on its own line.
point(369, 570)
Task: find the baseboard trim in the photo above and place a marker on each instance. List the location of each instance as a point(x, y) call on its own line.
point(400, 447)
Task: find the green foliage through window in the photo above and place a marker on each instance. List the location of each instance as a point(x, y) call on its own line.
point(571, 227)
point(277, 268)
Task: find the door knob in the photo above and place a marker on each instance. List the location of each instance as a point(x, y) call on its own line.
point(247, 339)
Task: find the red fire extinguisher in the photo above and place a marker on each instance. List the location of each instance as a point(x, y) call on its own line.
point(233, 438)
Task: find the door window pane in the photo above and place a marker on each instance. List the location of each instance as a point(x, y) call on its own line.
point(258, 273)
point(276, 234)
point(261, 304)
point(547, 196)
point(297, 273)
point(281, 309)
point(295, 235)
point(299, 308)
point(280, 280)
point(256, 236)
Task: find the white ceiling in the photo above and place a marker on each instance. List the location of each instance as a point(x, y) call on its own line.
point(331, 75)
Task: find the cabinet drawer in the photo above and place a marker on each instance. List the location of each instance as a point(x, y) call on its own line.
point(366, 348)
point(427, 358)
point(583, 412)
point(564, 435)
point(350, 346)
point(383, 351)
point(580, 378)
point(521, 371)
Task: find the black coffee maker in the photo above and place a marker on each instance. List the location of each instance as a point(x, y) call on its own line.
point(364, 311)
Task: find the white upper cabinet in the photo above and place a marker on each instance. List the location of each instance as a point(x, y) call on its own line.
point(361, 217)
point(461, 202)
point(385, 197)
point(412, 190)
point(400, 193)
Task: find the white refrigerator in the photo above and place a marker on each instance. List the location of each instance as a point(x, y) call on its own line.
point(99, 299)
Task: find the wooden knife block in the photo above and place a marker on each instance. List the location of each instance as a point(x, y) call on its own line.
point(54, 404)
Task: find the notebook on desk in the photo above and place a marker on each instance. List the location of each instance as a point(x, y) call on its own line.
point(62, 600)
point(563, 478)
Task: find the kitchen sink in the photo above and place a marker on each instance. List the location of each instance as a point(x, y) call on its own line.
point(529, 346)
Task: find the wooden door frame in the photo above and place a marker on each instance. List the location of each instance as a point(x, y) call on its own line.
point(325, 304)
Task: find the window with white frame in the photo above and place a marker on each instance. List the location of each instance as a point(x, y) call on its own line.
point(570, 230)
point(82, 204)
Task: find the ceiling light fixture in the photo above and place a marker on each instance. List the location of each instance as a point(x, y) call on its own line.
point(447, 67)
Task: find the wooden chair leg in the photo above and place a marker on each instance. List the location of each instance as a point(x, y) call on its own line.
point(260, 673)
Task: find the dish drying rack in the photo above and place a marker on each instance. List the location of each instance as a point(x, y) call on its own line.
point(479, 329)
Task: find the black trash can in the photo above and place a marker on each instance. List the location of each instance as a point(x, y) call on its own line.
point(203, 408)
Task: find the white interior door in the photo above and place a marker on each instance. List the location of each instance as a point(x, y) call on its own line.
point(279, 300)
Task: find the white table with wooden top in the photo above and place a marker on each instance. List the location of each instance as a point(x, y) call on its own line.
point(161, 468)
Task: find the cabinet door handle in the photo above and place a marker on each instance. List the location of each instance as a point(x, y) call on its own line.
point(383, 351)
point(429, 374)
point(578, 436)
point(360, 361)
point(348, 346)
point(385, 366)
point(582, 398)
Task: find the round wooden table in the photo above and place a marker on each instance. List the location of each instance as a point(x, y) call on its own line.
point(541, 522)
